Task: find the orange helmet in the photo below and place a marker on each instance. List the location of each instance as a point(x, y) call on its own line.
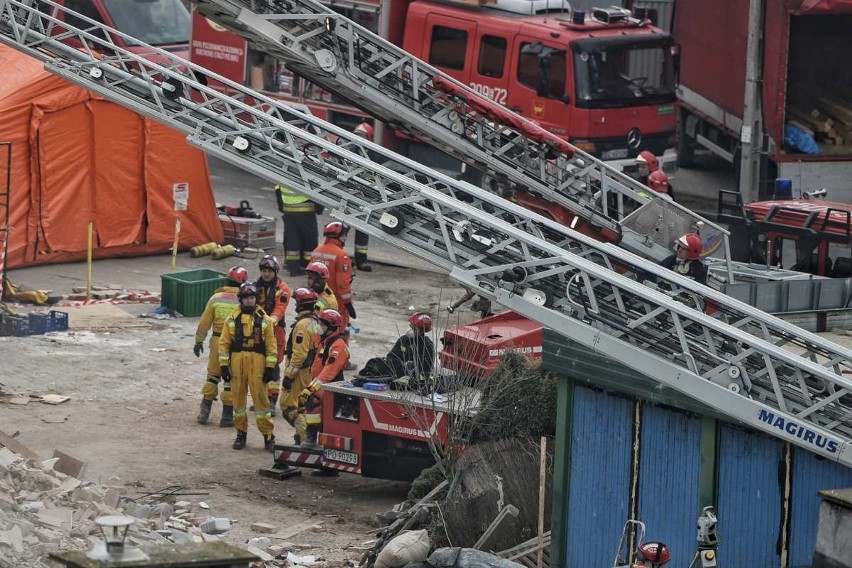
point(692, 243)
point(319, 269)
point(335, 229)
point(364, 129)
point(237, 274)
point(421, 321)
point(656, 553)
point(658, 181)
point(646, 157)
point(332, 319)
point(305, 298)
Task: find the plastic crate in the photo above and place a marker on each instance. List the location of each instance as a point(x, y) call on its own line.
point(14, 325)
point(58, 321)
point(187, 292)
point(38, 323)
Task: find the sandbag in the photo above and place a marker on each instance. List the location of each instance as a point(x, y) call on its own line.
point(412, 546)
point(468, 558)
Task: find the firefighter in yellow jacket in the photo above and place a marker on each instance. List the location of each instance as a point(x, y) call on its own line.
point(317, 274)
point(248, 354)
point(219, 306)
point(301, 349)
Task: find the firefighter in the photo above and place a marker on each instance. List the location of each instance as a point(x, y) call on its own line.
point(300, 227)
point(659, 182)
point(248, 354)
point(317, 274)
point(687, 258)
point(340, 270)
point(362, 240)
point(332, 359)
point(274, 296)
point(301, 350)
point(220, 305)
point(646, 162)
point(413, 354)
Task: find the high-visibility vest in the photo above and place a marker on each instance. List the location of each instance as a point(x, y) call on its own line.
point(291, 202)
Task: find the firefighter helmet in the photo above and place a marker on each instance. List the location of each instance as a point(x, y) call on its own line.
point(270, 262)
point(238, 274)
point(246, 290)
point(656, 553)
point(646, 157)
point(335, 229)
point(692, 243)
point(332, 319)
point(306, 299)
point(364, 129)
point(421, 321)
point(658, 181)
point(317, 268)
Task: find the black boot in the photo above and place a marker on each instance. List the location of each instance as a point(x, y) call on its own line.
point(269, 443)
point(227, 420)
point(240, 441)
point(204, 411)
point(364, 266)
point(311, 442)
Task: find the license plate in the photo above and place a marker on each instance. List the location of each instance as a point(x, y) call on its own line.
point(614, 154)
point(338, 456)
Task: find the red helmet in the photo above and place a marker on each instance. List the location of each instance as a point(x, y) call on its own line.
point(421, 320)
point(335, 229)
point(332, 319)
point(319, 269)
point(246, 290)
point(238, 274)
point(646, 157)
point(692, 243)
point(270, 262)
point(306, 299)
point(656, 553)
point(658, 181)
point(364, 129)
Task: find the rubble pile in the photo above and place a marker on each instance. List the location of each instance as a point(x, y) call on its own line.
point(44, 511)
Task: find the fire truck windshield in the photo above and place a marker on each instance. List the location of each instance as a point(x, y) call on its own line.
point(620, 71)
point(155, 22)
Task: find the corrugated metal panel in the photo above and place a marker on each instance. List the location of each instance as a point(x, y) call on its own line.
point(810, 474)
point(749, 498)
point(668, 478)
point(600, 476)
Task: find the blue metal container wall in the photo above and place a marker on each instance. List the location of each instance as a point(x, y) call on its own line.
point(749, 498)
point(810, 474)
point(601, 438)
point(669, 461)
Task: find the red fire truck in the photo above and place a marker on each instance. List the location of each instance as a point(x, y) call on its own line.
point(604, 81)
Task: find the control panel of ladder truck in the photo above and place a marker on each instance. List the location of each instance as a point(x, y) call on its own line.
point(748, 366)
point(810, 234)
point(603, 79)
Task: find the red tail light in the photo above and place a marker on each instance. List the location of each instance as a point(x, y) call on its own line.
point(330, 441)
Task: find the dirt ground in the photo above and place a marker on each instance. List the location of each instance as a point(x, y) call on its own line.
point(134, 385)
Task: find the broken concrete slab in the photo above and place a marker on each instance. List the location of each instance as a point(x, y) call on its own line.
point(68, 465)
point(17, 447)
point(265, 528)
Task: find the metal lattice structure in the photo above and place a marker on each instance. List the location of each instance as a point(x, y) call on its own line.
point(750, 366)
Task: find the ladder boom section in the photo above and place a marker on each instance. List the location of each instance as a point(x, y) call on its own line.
point(751, 366)
point(418, 99)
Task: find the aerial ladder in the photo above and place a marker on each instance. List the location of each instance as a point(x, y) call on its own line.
point(415, 98)
point(740, 362)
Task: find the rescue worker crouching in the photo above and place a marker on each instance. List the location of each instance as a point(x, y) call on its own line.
point(687, 258)
point(317, 276)
point(300, 227)
point(332, 359)
point(413, 354)
point(301, 350)
point(247, 357)
point(220, 305)
point(274, 296)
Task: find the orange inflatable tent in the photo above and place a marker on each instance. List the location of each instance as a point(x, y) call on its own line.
point(77, 158)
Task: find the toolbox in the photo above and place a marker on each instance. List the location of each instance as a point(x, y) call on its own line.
point(249, 232)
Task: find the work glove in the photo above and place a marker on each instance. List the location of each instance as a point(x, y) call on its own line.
point(304, 396)
point(198, 349)
point(268, 375)
point(225, 373)
point(351, 309)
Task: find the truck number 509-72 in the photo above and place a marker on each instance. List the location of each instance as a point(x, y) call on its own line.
point(496, 94)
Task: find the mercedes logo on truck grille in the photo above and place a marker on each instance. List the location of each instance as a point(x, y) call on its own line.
point(634, 138)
